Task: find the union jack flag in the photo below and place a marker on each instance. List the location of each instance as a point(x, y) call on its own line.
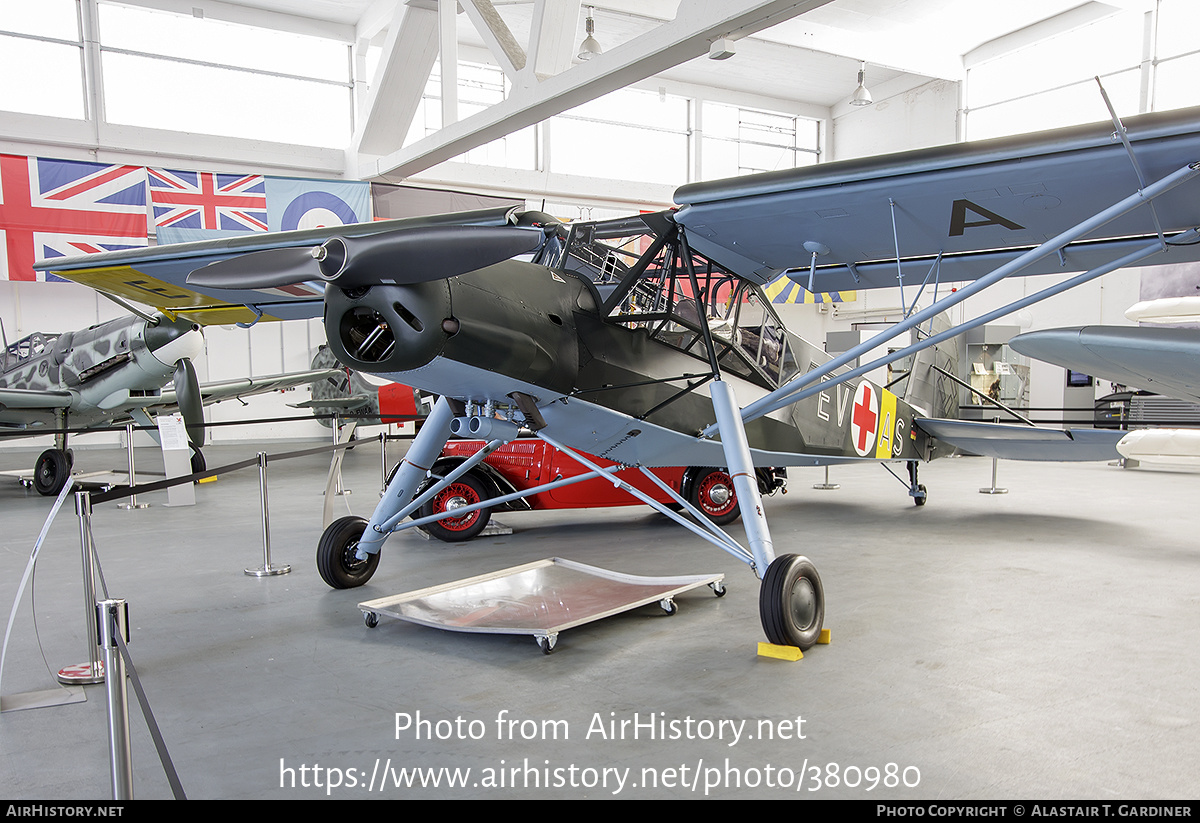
point(189, 202)
point(60, 208)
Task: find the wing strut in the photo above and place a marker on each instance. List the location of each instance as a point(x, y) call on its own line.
point(741, 469)
point(1123, 136)
point(795, 395)
point(896, 241)
point(792, 392)
point(425, 448)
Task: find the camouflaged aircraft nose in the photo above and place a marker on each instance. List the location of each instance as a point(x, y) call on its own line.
point(166, 330)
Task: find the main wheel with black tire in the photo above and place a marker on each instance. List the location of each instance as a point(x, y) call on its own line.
point(712, 493)
point(198, 464)
point(791, 602)
point(337, 558)
point(51, 472)
point(465, 491)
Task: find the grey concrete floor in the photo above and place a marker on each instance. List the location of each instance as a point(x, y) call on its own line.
point(1038, 644)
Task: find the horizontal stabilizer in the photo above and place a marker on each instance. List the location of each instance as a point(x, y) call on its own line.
point(1024, 442)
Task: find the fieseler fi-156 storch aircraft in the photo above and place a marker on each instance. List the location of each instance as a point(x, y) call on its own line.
point(113, 371)
point(647, 341)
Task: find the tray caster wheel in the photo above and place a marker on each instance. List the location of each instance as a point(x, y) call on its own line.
point(718, 588)
point(547, 643)
point(668, 606)
point(371, 619)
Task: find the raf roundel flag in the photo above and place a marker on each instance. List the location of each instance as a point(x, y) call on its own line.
point(311, 204)
point(61, 208)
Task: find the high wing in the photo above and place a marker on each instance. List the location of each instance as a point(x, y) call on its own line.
point(1163, 360)
point(968, 208)
point(157, 275)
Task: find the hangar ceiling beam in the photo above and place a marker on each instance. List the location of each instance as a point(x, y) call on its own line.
point(552, 40)
point(408, 55)
point(1069, 20)
point(688, 36)
point(496, 36)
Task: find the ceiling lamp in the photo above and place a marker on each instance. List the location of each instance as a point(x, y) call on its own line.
point(590, 46)
point(861, 97)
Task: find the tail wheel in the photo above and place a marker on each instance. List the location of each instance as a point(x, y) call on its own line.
point(712, 493)
point(337, 554)
point(791, 602)
point(465, 491)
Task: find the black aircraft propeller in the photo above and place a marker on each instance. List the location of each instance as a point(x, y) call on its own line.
point(402, 256)
point(191, 406)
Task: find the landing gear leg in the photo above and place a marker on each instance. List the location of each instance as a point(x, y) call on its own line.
point(791, 601)
point(52, 470)
point(425, 449)
point(915, 490)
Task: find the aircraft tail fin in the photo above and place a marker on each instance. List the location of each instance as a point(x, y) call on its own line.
point(925, 387)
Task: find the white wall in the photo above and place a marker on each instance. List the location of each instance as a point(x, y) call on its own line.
point(904, 119)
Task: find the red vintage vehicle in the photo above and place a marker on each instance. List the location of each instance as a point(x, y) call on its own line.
point(528, 463)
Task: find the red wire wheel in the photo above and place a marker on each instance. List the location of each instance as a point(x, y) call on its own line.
point(713, 494)
point(465, 491)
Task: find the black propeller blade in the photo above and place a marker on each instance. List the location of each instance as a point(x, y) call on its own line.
point(259, 269)
point(191, 404)
point(403, 256)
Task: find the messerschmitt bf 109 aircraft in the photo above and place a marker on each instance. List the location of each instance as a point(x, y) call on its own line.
point(647, 340)
point(110, 372)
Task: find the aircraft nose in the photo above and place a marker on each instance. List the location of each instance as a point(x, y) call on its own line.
point(388, 329)
point(166, 330)
point(169, 340)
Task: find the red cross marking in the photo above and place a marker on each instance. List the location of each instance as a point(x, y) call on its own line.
point(865, 416)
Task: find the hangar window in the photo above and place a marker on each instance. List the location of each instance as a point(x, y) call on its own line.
point(195, 74)
point(1147, 61)
point(44, 35)
point(655, 123)
point(738, 140)
point(479, 86)
point(1050, 83)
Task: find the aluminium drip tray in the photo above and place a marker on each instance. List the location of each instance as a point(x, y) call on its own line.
point(540, 599)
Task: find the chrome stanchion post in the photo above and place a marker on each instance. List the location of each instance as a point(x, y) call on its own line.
point(112, 618)
point(827, 486)
point(82, 674)
point(992, 489)
point(339, 490)
point(266, 570)
point(383, 462)
point(133, 502)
